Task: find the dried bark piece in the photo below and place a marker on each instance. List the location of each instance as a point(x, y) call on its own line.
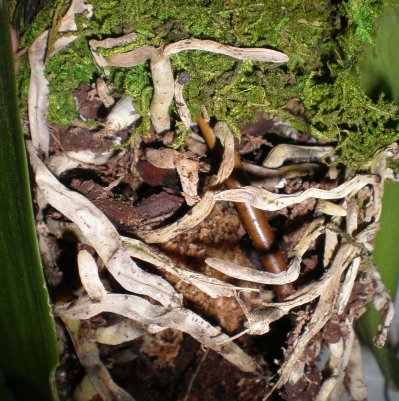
point(122, 214)
point(126, 216)
point(198, 213)
point(164, 158)
point(188, 173)
point(84, 146)
point(89, 105)
point(156, 176)
point(158, 207)
point(104, 94)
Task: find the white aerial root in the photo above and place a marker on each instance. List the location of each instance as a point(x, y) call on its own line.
point(38, 94)
point(320, 316)
point(383, 304)
point(334, 295)
point(122, 115)
point(89, 276)
point(150, 315)
point(213, 287)
point(265, 200)
point(329, 208)
point(38, 84)
point(231, 269)
point(101, 235)
point(253, 54)
point(187, 169)
point(87, 352)
point(280, 153)
point(339, 359)
point(226, 138)
point(180, 103)
point(162, 78)
point(355, 380)
point(119, 333)
point(288, 171)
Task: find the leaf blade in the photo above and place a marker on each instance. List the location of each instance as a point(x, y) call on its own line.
point(28, 348)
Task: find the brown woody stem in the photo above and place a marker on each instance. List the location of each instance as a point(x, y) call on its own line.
point(254, 220)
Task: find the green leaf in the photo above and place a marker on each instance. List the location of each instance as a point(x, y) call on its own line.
point(386, 255)
point(28, 348)
point(379, 75)
point(386, 258)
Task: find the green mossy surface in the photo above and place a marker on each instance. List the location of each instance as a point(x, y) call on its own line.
point(41, 22)
point(324, 39)
point(65, 71)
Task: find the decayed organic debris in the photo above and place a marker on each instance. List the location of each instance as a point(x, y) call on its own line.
point(153, 301)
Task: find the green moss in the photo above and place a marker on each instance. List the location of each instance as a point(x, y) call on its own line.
point(208, 72)
point(316, 90)
point(22, 79)
point(180, 138)
point(41, 22)
point(135, 82)
point(65, 71)
point(341, 112)
point(363, 16)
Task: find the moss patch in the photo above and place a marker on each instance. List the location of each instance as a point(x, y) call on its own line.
point(65, 72)
point(324, 40)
